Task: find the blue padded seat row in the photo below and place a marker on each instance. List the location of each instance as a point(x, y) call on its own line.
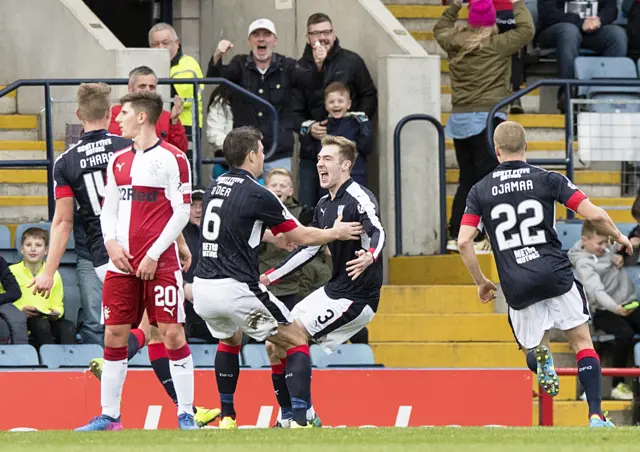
point(18, 356)
point(203, 356)
point(78, 355)
point(346, 355)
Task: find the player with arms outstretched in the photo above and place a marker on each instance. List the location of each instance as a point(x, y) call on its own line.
point(226, 290)
point(146, 206)
point(516, 205)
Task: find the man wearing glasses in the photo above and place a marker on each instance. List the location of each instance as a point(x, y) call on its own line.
point(309, 113)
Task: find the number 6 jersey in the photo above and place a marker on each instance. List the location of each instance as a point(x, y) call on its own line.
point(80, 173)
point(516, 204)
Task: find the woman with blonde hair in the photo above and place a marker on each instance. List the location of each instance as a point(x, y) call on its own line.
point(480, 71)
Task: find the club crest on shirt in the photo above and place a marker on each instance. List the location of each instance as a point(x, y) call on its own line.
point(155, 168)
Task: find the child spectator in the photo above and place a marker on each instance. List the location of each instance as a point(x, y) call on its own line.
point(13, 322)
point(44, 315)
point(342, 122)
point(609, 290)
point(288, 289)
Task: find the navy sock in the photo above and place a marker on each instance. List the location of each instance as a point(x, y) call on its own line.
point(590, 376)
point(227, 364)
point(532, 364)
point(160, 364)
point(280, 388)
point(298, 379)
point(135, 342)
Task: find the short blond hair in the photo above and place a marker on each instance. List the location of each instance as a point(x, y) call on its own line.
point(278, 172)
point(510, 138)
point(93, 101)
point(347, 148)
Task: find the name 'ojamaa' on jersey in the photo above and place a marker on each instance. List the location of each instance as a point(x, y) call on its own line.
point(236, 210)
point(80, 173)
point(516, 205)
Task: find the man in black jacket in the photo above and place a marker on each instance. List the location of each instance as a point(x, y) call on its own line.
point(272, 77)
point(340, 65)
point(569, 25)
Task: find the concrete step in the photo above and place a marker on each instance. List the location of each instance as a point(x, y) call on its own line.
point(18, 134)
point(440, 270)
point(581, 177)
point(23, 176)
point(431, 300)
point(530, 104)
point(14, 122)
point(457, 354)
point(574, 413)
point(23, 189)
point(8, 103)
point(23, 209)
point(568, 391)
point(422, 11)
point(27, 149)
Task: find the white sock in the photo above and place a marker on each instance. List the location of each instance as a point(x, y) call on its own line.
point(311, 413)
point(182, 375)
point(112, 381)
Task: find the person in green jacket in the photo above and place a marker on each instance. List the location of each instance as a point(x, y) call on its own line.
point(291, 289)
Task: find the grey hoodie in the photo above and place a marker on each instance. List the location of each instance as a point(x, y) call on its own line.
point(606, 285)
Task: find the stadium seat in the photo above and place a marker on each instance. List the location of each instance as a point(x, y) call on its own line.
point(55, 355)
point(203, 354)
point(72, 297)
point(589, 68)
point(18, 356)
point(569, 233)
point(141, 359)
point(347, 355)
point(7, 250)
point(255, 355)
point(69, 257)
point(636, 354)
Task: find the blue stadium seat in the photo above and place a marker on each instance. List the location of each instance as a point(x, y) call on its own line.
point(141, 359)
point(69, 256)
point(255, 355)
point(54, 355)
point(7, 250)
point(72, 297)
point(636, 354)
point(18, 356)
point(626, 228)
point(588, 68)
point(569, 233)
point(203, 354)
point(347, 355)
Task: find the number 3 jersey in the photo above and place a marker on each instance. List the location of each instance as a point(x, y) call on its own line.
point(516, 204)
point(80, 173)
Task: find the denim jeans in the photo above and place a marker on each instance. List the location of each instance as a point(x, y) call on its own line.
point(92, 332)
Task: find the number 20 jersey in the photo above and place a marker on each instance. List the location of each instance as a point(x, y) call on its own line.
point(516, 204)
point(80, 173)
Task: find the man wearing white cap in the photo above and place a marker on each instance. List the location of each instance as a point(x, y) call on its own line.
point(271, 76)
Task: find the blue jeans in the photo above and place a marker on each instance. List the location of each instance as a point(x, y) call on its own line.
point(92, 332)
point(309, 190)
point(567, 38)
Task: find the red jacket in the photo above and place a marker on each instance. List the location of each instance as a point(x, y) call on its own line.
point(171, 133)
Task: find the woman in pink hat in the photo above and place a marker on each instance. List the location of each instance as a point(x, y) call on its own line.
point(480, 71)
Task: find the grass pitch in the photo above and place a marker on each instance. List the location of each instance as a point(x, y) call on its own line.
point(356, 439)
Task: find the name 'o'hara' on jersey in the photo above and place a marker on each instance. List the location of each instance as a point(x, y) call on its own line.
point(80, 173)
point(147, 203)
point(356, 204)
point(516, 204)
point(236, 211)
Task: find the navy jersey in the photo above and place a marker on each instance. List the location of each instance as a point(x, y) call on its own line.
point(356, 204)
point(516, 205)
point(236, 210)
point(80, 173)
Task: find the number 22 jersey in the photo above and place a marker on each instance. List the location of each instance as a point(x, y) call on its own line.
point(80, 173)
point(516, 204)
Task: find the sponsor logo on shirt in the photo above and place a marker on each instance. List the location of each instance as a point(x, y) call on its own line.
point(133, 194)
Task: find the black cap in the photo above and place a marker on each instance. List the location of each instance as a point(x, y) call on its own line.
point(197, 194)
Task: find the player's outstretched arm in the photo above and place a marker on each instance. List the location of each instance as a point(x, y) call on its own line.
point(486, 289)
point(303, 235)
point(603, 223)
point(61, 228)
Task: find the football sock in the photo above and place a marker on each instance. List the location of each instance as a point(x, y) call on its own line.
point(135, 342)
point(160, 364)
point(590, 376)
point(114, 372)
point(280, 388)
point(532, 364)
point(311, 413)
point(298, 378)
point(227, 364)
point(181, 366)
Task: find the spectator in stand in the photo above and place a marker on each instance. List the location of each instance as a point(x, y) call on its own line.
point(342, 122)
point(219, 124)
point(91, 331)
point(610, 292)
point(272, 77)
point(164, 36)
point(506, 21)
point(569, 25)
point(194, 326)
point(632, 10)
point(168, 127)
point(340, 65)
point(480, 62)
point(13, 322)
point(44, 315)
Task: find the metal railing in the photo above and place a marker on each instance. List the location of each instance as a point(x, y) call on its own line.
point(397, 172)
point(198, 160)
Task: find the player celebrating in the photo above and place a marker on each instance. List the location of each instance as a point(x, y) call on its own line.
point(337, 311)
point(146, 206)
point(226, 289)
point(516, 204)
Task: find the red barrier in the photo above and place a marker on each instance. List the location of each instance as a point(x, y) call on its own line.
point(376, 397)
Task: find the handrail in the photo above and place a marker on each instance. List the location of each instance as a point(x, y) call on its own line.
point(49, 154)
point(397, 162)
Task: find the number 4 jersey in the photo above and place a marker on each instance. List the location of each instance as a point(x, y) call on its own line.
point(80, 173)
point(516, 204)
